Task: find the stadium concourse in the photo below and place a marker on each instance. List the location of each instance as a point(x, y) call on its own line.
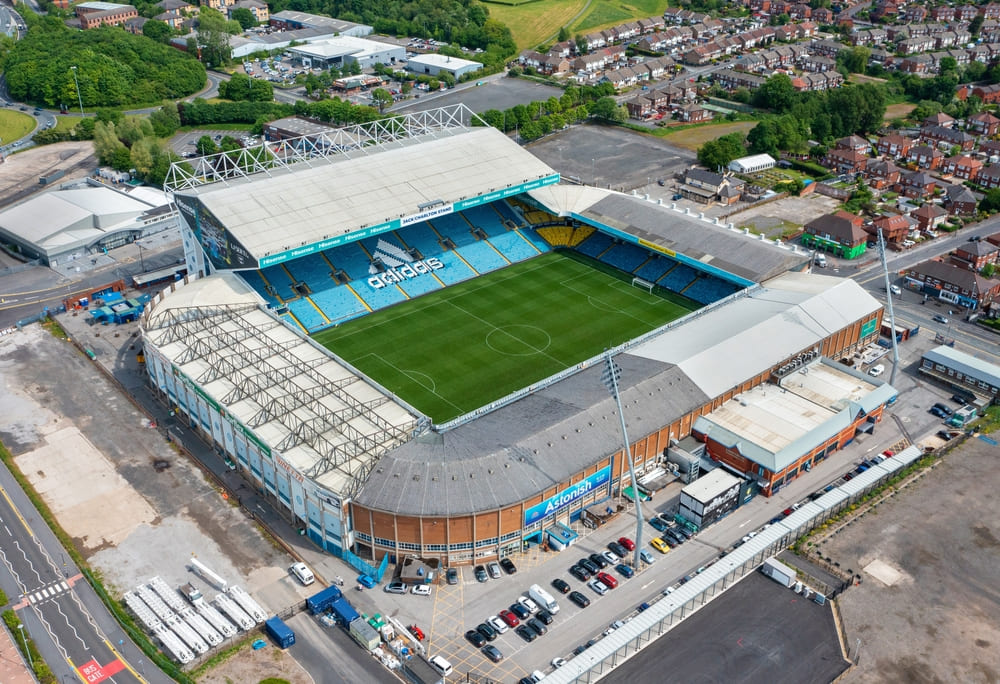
point(288, 241)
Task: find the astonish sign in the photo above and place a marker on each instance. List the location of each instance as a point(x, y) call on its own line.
point(567, 496)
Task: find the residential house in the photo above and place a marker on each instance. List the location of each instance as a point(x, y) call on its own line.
point(841, 233)
point(914, 45)
point(826, 47)
point(974, 255)
point(818, 63)
point(929, 217)
point(948, 136)
point(707, 187)
point(989, 177)
point(895, 228)
point(872, 36)
point(983, 123)
point(915, 14)
point(917, 184)
point(826, 80)
point(943, 13)
point(989, 94)
point(960, 201)
point(962, 166)
point(939, 119)
point(925, 156)
point(624, 77)
point(916, 64)
point(823, 15)
point(854, 142)
point(894, 145)
point(178, 6)
point(845, 161)
point(954, 284)
point(966, 13)
point(882, 173)
point(693, 113)
point(258, 9)
point(990, 11)
point(732, 80)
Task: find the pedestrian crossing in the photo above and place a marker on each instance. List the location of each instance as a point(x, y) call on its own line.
point(47, 592)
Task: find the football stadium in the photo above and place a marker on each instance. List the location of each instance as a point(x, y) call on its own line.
point(398, 333)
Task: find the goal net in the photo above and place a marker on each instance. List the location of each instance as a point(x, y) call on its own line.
point(644, 284)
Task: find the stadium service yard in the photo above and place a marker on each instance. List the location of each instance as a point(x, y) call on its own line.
point(455, 350)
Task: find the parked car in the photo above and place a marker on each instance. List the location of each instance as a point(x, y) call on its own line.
point(481, 575)
point(659, 545)
point(947, 411)
point(497, 623)
point(526, 633)
point(508, 566)
point(580, 573)
point(607, 580)
point(487, 631)
point(683, 531)
point(545, 616)
point(451, 576)
point(600, 561)
point(938, 412)
point(625, 571)
point(658, 524)
point(421, 589)
point(876, 370)
point(959, 399)
point(395, 588)
point(589, 565)
point(417, 633)
point(475, 638)
point(579, 599)
point(627, 543)
point(618, 549)
point(509, 617)
point(537, 626)
point(528, 604)
point(647, 557)
point(520, 611)
point(941, 319)
point(598, 586)
point(611, 557)
point(494, 569)
point(493, 653)
point(558, 662)
point(561, 585)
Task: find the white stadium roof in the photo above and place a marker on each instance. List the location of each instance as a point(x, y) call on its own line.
point(325, 420)
point(344, 193)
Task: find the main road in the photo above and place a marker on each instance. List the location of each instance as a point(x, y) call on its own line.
point(57, 608)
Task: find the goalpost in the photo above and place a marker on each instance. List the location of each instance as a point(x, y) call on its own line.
point(644, 284)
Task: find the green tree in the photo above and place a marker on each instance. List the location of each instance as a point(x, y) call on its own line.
point(244, 16)
point(381, 98)
point(206, 145)
point(991, 201)
point(854, 60)
point(988, 270)
point(563, 34)
point(608, 109)
point(776, 93)
point(213, 37)
point(976, 24)
point(165, 120)
point(716, 154)
point(159, 31)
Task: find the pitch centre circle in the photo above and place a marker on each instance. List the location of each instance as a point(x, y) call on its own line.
point(518, 340)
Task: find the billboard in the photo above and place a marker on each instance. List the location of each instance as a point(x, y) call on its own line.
point(567, 496)
point(222, 249)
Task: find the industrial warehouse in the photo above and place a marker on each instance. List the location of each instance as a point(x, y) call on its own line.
point(365, 472)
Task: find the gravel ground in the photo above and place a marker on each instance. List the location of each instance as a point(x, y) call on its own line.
point(928, 606)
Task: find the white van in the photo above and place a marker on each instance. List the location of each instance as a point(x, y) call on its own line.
point(303, 573)
point(820, 260)
point(441, 665)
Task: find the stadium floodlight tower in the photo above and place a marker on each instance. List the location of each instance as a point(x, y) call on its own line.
point(612, 373)
point(892, 315)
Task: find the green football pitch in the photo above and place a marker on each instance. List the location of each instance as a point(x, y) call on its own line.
point(456, 349)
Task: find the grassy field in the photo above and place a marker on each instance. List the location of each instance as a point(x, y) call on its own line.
point(898, 111)
point(14, 125)
point(66, 123)
point(452, 351)
point(538, 22)
point(694, 137)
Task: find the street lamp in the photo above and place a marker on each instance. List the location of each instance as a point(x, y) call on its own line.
point(20, 628)
point(612, 373)
point(79, 97)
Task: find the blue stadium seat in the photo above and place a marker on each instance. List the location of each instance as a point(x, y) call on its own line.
point(482, 257)
point(514, 247)
point(626, 257)
point(455, 227)
point(381, 298)
point(312, 269)
point(595, 244)
point(254, 280)
point(351, 259)
point(306, 314)
point(421, 285)
point(678, 278)
point(422, 237)
point(709, 289)
point(486, 218)
point(339, 303)
point(508, 213)
point(455, 270)
point(535, 239)
point(279, 280)
point(655, 268)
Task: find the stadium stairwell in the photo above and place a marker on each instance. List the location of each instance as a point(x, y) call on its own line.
point(498, 251)
point(360, 298)
point(652, 257)
point(522, 236)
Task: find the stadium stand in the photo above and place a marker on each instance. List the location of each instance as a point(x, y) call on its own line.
point(419, 286)
point(515, 247)
point(655, 268)
point(557, 236)
point(420, 237)
point(352, 259)
point(279, 279)
point(626, 256)
point(595, 245)
point(485, 218)
point(707, 289)
point(677, 278)
point(313, 269)
point(507, 213)
point(455, 270)
point(380, 298)
point(307, 314)
point(534, 238)
point(255, 281)
point(339, 303)
point(483, 257)
point(580, 233)
point(455, 228)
